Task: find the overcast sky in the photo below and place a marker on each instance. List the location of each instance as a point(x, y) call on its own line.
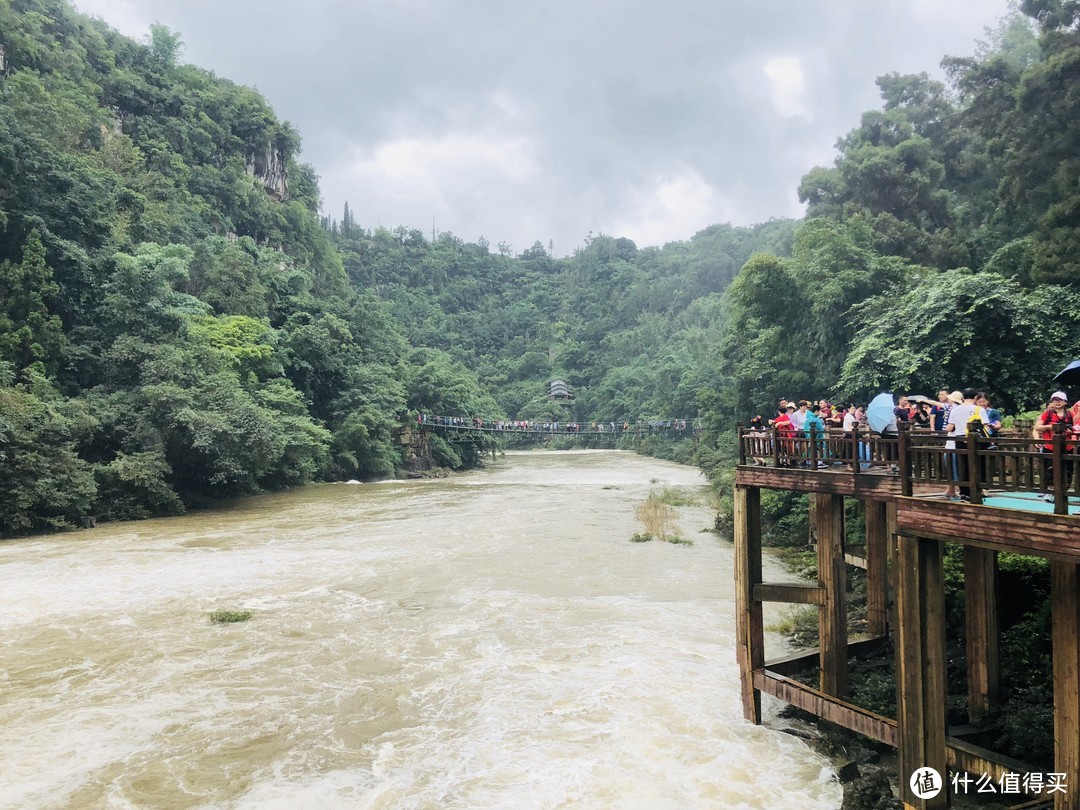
point(547, 120)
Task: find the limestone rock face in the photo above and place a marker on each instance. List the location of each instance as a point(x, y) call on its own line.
point(269, 169)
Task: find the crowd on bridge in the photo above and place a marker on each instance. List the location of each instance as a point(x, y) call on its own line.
point(535, 426)
point(955, 415)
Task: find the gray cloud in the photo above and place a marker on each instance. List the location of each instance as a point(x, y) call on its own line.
point(549, 120)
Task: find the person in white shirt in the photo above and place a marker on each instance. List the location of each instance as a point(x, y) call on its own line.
point(798, 418)
point(958, 426)
point(850, 419)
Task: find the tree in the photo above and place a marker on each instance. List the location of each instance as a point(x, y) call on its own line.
point(29, 332)
point(46, 485)
point(960, 329)
point(165, 45)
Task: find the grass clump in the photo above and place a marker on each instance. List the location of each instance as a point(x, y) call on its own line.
point(673, 496)
point(229, 616)
point(659, 521)
point(800, 625)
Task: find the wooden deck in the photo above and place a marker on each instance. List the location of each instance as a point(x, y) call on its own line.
point(900, 482)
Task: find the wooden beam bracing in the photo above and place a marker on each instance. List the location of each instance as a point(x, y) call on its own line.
point(790, 593)
point(807, 659)
point(828, 707)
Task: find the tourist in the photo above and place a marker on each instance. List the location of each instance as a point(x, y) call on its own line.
point(815, 430)
point(760, 433)
point(945, 406)
point(959, 417)
point(798, 417)
point(1055, 414)
point(781, 411)
point(784, 431)
point(941, 410)
point(923, 417)
point(993, 415)
point(848, 426)
point(902, 411)
point(836, 418)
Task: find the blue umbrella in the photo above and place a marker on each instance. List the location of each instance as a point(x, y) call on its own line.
point(880, 413)
point(1070, 375)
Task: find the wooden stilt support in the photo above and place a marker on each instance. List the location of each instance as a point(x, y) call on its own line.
point(828, 520)
point(890, 541)
point(980, 601)
point(1065, 596)
point(749, 629)
point(920, 666)
point(877, 568)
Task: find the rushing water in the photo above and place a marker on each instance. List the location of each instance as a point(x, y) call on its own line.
point(488, 640)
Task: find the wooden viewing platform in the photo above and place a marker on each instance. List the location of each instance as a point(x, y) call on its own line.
point(900, 481)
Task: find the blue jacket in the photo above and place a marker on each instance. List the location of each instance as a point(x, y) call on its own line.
point(816, 422)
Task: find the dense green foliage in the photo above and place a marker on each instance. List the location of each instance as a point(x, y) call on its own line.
point(632, 331)
point(175, 323)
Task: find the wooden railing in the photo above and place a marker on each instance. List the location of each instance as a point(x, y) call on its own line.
point(860, 449)
point(977, 465)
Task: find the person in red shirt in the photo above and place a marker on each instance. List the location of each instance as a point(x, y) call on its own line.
point(785, 429)
point(1055, 414)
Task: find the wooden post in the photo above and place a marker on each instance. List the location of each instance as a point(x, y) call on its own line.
point(920, 666)
point(856, 462)
point(749, 628)
point(980, 616)
point(1065, 607)
point(903, 457)
point(973, 459)
point(775, 449)
point(813, 447)
point(832, 574)
point(1061, 477)
point(877, 568)
point(742, 443)
point(893, 564)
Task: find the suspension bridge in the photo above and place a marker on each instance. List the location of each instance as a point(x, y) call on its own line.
point(509, 429)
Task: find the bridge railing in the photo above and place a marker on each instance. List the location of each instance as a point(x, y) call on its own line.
point(834, 448)
point(998, 463)
point(976, 464)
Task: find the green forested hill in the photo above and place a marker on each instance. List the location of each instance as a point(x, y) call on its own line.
point(629, 329)
point(175, 323)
